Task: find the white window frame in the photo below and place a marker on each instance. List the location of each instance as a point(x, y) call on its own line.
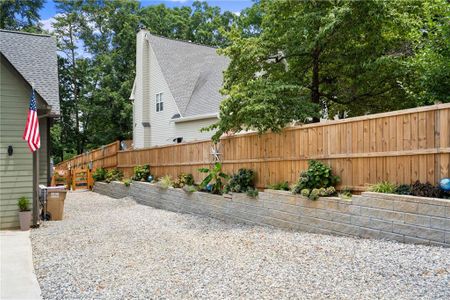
point(159, 102)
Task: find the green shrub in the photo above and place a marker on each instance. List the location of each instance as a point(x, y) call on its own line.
point(345, 193)
point(141, 173)
point(280, 186)
point(215, 178)
point(114, 175)
point(165, 182)
point(426, 190)
point(189, 188)
point(23, 203)
point(127, 182)
point(184, 180)
point(305, 192)
point(317, 176)
point(99, 174)
point(253, 193)
point(383, 187)
point(325, 192)
point(241, 181)
point(314, 195)
point(403, 189)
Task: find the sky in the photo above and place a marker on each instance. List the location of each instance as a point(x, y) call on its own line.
point(49, 9)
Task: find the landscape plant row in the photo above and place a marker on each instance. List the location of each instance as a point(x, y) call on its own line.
point(317, 181)
point(416, 189)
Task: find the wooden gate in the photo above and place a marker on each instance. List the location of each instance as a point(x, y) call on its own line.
point(81, 179)
point(61, 178)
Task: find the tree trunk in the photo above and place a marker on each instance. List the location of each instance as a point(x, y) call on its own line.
point(75, 90)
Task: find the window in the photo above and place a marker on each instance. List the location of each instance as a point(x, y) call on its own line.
point(159, 102)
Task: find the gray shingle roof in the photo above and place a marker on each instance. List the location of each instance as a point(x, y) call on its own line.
point(34, 57)
point(193, 72)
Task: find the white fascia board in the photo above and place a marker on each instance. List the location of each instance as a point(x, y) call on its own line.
point(194, 118)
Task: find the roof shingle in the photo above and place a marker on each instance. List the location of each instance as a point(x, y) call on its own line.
point(34, 57)
point(193, 72)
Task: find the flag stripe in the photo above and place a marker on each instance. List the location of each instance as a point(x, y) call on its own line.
point(31, 133)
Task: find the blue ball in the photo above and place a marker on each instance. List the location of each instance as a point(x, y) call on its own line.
point(150, 178)
point(445, 184)
point(209, 187)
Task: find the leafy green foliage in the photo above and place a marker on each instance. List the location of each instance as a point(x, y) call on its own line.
point(306, 59)
point(281, 186)
point(127, 182)
point(318, 175)
point(314, 194)
point(383, 187)
point(20, 15)
point(99, 174)
point(189, 189)
point(165, 182)
point(426, 190)
point(215, 177)
point(403, 189)
point(23, 203)
point(114, 175)
point(241, 182)
point(325, 192)
point(345, 193)
point(252, 192)
point(305, 192)
point(141, 173)
point(184, 180)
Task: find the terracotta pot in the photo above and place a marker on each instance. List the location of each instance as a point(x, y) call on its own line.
point(25, 220)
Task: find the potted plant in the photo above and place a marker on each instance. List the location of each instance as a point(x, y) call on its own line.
point(24, 213)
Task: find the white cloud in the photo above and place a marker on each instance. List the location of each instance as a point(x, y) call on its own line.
point(237, 13)
point(48, 24)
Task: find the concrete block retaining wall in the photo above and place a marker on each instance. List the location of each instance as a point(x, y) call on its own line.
point(371, 215)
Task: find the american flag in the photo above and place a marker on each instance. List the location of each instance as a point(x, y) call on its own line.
point(31, 132)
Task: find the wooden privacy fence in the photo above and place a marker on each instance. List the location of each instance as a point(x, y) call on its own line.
point(401, 147)
point(103, 157)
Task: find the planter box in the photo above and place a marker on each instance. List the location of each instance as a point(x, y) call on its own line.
point(369, 215)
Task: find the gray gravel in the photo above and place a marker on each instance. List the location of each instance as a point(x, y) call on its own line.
point(117, 249)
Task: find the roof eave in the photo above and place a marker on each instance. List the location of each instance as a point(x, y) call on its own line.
point(195, 118)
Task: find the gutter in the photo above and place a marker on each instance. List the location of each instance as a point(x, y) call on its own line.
point(195, 118)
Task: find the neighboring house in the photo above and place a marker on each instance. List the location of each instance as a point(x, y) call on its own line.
point(176, 90)
point(26, 60)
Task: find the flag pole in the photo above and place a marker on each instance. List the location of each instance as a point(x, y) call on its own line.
point(35, 188)
point(35, 180)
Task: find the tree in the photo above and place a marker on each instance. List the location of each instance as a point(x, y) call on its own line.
point(67, 29)
point(20, 15)
point(201, 24)
point(319, 57)
point(430, 81)
point(109, 37)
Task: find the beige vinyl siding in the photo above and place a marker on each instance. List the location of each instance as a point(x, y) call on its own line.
point(162, 130)
point(142, 61)
point(16, 171)
point(190, 131)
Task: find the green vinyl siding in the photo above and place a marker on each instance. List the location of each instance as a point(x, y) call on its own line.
point(43, 160)
point(16, 171)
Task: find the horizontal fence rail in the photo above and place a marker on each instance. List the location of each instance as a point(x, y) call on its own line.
point(401, 147)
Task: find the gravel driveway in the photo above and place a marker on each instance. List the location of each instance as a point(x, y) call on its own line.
point(117, 249)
